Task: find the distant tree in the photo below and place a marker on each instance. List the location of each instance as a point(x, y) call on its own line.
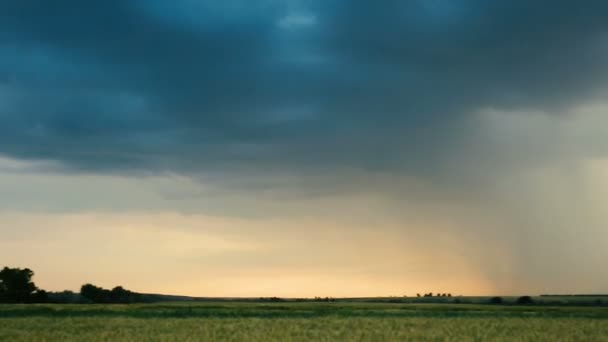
point(116, 295)
point(418, 295)
point(65, 297)
point(275, 299)
point(496, 300)
point(449, 295)
point(120, 295)
point(525, 300)
point(95, 294)
point(40, 296)
point(16, 286)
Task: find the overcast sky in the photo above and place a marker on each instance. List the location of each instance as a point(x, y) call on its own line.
point(304, 148)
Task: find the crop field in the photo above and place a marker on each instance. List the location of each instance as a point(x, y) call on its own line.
point(301, 322)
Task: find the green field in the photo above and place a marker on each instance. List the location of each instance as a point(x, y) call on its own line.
point(301, 322)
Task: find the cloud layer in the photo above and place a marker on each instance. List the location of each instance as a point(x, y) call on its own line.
point(468, 126)
point(202, 85)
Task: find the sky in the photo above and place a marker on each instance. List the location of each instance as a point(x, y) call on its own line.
point(305, 148)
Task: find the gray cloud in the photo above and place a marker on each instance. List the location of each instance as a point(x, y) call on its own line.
point(466, 117)
point(117, 85)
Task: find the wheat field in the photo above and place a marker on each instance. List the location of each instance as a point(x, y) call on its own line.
point(301, 322)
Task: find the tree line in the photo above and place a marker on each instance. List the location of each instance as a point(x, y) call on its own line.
point(16, 286)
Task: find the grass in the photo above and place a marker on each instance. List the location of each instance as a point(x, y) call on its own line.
point(301, 322)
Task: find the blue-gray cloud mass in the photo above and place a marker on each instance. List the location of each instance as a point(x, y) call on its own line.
point(200, 86)
point(468, 129)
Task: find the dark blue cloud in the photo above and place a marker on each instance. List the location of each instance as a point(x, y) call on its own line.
point(193, 86)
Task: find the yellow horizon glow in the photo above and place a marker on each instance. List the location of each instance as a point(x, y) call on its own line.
point(210, 257)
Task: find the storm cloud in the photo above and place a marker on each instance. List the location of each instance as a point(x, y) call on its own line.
point(477, 120)
point(188, 88)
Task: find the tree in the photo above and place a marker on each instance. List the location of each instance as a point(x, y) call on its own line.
point(525, 300)
point(66, 297)
point(496, 300)
point(40, 296)
point(16, 286)
point(122, 295)
point(95, 294)
point(116, 295)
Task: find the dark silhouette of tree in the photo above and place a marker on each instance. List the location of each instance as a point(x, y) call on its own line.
point(119, 295)
point(66, 297)
point(272, 299)
point(525, 300)
point(16, 286)
point(95, 294)
point(116, 295)
point(496, 300)
point(40, 296)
